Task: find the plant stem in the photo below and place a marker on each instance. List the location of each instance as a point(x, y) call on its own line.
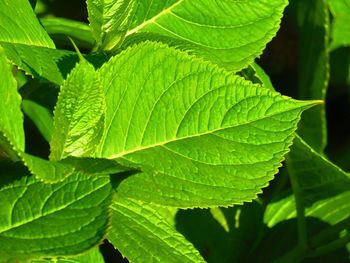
point(302, 232)
point(332, 246)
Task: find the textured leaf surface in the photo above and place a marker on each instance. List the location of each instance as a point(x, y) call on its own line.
point(109, 20)
point(325, 188)
point(79, 113)
point(192, 128)
point(313, 68)
point(340, 10)
point(19, 25)
point(238, 30)
point(11, 118)
point(40, 62)
point(38, 219)
point(140, 231)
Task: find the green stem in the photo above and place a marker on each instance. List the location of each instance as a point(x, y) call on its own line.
point(321, 237)
point(332, 246)
point(302, 232)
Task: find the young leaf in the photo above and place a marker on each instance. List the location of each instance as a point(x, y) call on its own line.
point(19, 25)
point(79, 114)
point(11, 118)
point(47, 220)
point(140, 231)
point(340, 10)
point(325, 188)
point(313, 68)
point(202, 136)
point(229, 33)
point(109, 20)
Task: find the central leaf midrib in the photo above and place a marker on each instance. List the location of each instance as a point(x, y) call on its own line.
point(124, 153)
point(153, 19)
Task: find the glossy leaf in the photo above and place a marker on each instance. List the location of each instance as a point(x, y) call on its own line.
point(238, 30)
point(72, 215)
point(202, 136)
point(140, 231)
point(20, 26)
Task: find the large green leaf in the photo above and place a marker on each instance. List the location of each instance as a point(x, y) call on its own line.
point(11, 118)
point(325, 188)
point(313, 68)
point(202, 136)
point(109, 20)
point(79, 114)
point(340, 10)
point(230, 33)
point(38, 219)
point(139, 231)
point(19, 25)
point(92, 256)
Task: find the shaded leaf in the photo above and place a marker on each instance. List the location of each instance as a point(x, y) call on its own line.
point(140, 231)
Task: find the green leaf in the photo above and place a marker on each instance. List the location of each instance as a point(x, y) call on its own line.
point(109, 20)
point(340, 10)
point(92, 256)
point(140, 231)
point(78, 31)
point(20, 26)
point(79, 114)
point(238, 30)
point(11, 118)
point(202, 136)
point(47, 220)
point(40, 62)
point(313, 68)
point(325, 188)
point(41, 117)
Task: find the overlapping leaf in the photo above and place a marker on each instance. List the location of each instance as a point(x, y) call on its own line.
point(79, 114)
point(109, 20)
point(140, 231)
point(230, 33)
point(325, 188)
point(201, 136)
point(42, 220)
point(19, 25)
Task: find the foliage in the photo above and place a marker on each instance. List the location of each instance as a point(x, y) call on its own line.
point(165, 137)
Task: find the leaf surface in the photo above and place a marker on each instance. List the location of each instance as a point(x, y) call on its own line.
point(72, 215)
point(11, 118)
point(109, 20)
point(140, 231)
point(92, 256)
point(313, 68)
point(201, 136)
point(340, 10)
point(238, 30)
point(19, 25)
point(79, 114)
